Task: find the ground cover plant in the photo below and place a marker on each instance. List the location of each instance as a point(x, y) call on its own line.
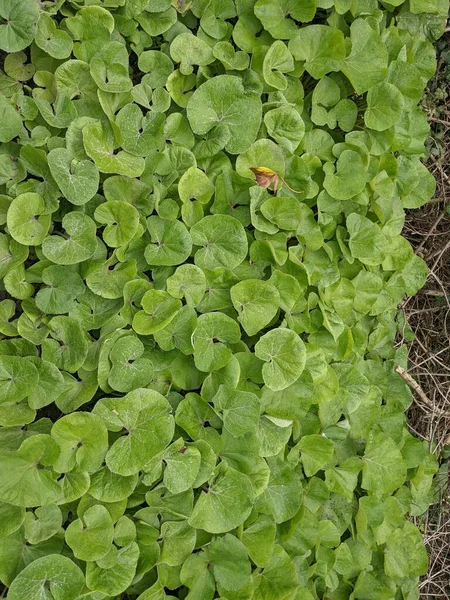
point(201, 262)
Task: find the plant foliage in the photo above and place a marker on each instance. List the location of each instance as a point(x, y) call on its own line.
point(201, 261)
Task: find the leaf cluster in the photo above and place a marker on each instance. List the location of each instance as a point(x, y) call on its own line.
point(197, 389)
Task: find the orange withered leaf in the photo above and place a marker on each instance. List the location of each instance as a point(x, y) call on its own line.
point(266, 177)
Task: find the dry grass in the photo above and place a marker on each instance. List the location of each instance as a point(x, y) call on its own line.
point(428, 317)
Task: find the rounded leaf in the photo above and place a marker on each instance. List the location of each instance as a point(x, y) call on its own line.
point(27, 220)
point(223, 242)
point(227, 502)
point(284, 355)
point(256, 303)
point(171, 242)
point(79, 244)
point(146, 418)
point(223, 101)
point(77, 179)
point(159, 308)
point(83, 441)
point(90, 537)
point(384, 106)
point(121, 222)
point(18, 377)
point(19, 26)
point(214, 330)
point(55, 574)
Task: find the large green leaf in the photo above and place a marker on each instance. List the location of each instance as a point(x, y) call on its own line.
point(146, 417)
point(223, 101)
point(226, 503)
point(384, 469)
point(284, 356)
point(54, 575)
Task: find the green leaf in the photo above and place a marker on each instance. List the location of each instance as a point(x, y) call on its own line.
point(384, 106)
point(158, 66)
point(222, 242)
point(278, 579)
point(284, 490)
point(25, 478)
point(61, 288)
point(146, 417)
point(384, 469)
point(109, 68)
point(195, 185)
point(285, 126)
point(256, 303)
point(188, 50)
point(159, 308)
point(99, 145)
point(366, 65)
point(114, 580)
point(210, 338)
point(19, 28)
point(405, 554)
point(226, 503)
point(27, 220)
point(140, 135)
point(315, 452)
point(171, 242)
point(77, 180)
point(259, 539)
point(274, 14)
point(284, 356)
point(11, 518)
point(366, 241)
point(188, 282)
point(55, 42)
point(182, 467)
point(11, 123)
point(348, 178)
point(239, 410)
point(50, 384)
point(54, 574)
point(121, 221)
point(79, 245)
point(223, 101)
point(178, 542)
point(83, 442)
point(68, 346)
point(230, 564)
point(129, 368)
point(277, 61)
point(321, 48)
point(90, 537)
point(47, 523)
point(18, 376)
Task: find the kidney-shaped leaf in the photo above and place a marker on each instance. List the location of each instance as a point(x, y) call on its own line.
point(223, 242)
point(27, 220)
point(227, 502)
point(77, 180)
point(223, 100)
point(214, 330)
point(256, 302)
point(148, 425)
point(53, 576)
point(83, 441)
point(284, 355)
point(90, 537)
point(78, 245)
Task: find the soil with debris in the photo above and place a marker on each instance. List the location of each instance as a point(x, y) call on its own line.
point(427, 326)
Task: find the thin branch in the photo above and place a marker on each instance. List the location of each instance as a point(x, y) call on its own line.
point(416, 387)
